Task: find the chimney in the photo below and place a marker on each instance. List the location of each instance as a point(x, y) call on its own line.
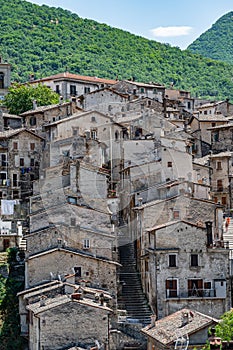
point(34, 104)
point(209, 233)
point(153, 319)
point(42, 300)
point(184, 319)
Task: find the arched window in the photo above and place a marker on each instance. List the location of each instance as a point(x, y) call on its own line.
point(1, 80)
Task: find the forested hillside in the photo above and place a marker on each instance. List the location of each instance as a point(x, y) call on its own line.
point(44, 40)
point(217, 42)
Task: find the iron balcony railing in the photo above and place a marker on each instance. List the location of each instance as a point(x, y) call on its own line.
point(191, 293)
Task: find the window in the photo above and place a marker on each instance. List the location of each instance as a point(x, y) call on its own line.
point(154, 91)
point(176, 214)
point(73, 90)
point(169, 164)
point(213, 124)
point(195, 288)
point(142, 90)
point(21, 161)
point(3, 181)
point(194, 260)
point(205, 112)
point(86, 90)
point(32, 162)
point(3, 159)
point(171, 287)
point(93, 134)
point(224, 200)
point(207, 285)
point(172, 260)
point(116, 135)
point(57, 89)
point(216, 136)
point(219, 186)
point(15, 145)
point(78, 272)
point(15, 182)
point(1, 80)
point(75, 131)
point(32, 121)
point(219, 166)
point(86, 244)
point(72, 221)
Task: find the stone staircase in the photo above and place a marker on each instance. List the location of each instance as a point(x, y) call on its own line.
point(23, 244)
point(132, 299)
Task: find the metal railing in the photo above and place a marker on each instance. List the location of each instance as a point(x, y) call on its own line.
point(191, 293)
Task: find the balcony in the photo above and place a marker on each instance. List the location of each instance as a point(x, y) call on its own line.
point(190, 293)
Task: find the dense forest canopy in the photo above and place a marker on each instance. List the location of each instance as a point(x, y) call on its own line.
point(44, 40)
point(217, 42)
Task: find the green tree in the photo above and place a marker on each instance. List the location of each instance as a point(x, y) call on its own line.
point(224, 329)
point(20, 97)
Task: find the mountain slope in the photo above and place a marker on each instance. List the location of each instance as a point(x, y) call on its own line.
point(217, 42)
point(45, 40)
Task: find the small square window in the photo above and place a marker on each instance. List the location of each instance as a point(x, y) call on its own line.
point(176, 214)
point(169, 164)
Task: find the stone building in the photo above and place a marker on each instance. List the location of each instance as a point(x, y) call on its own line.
point(221, 178)
point(183, 328)
point(38, 116)
point(101, 272)
point(65, 321)
point(152, 90)
point(11, 121)
point(21, 152)
point(70, 85)
point(94, 242)
point(10, 234)
point(178, 271)
point(48, 291)
point(5, 78)
point(221, 138)
point(201, 121)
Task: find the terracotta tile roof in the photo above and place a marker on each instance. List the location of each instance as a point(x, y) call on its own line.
point(67, 75)
point(169, 328)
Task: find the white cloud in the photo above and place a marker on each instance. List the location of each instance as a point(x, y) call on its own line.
point(171, 31)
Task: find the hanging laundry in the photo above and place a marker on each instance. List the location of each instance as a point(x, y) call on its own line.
point(7, 206)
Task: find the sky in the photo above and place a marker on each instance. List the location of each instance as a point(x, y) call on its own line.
point(176, 22)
